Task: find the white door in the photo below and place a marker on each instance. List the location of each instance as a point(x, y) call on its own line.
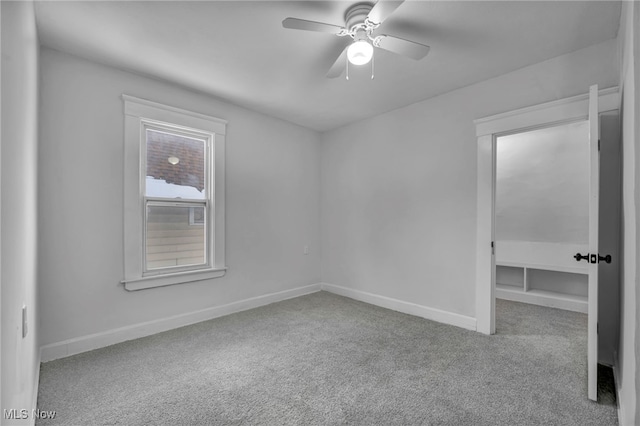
point(594, 196)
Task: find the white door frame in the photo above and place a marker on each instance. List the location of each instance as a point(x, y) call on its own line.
point(487, 129)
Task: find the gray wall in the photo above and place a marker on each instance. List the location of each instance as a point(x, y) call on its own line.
point(399, 190)
point(542, 185)
point(629, 349)
point(272, 205)
point(18, 214)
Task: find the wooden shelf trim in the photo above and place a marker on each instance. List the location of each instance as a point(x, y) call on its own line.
point(556, 268)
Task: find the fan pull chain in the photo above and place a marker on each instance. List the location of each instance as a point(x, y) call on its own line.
point(347, 68)
point(373, 58)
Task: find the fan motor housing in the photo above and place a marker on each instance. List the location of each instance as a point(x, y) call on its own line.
point(356, 14)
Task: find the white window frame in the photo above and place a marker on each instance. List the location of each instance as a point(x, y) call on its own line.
point(139, 115)
point(207, 138)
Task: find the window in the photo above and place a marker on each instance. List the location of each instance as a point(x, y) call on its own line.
point(175, 187)
point(196, 216)
point(174, 195)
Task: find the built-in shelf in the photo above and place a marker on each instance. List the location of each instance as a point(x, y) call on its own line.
point(550, 299)
point(545, 274)
point(558, 268)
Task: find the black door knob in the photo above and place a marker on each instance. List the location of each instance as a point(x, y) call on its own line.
point(579, 257)
point(606, 258)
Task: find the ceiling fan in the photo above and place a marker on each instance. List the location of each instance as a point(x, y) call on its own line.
point(361, 20)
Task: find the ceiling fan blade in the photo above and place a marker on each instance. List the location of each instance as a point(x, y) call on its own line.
point(382, 10)
point(403, 47)
point(338, 66)
point(303, 24)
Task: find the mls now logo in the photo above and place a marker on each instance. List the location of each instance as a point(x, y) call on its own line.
point(41, 414)
point(16, 414)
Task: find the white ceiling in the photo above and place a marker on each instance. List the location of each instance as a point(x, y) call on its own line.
point(238, 50)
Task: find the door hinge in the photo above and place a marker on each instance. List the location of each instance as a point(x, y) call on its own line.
point(598, 144)
point(493, 248)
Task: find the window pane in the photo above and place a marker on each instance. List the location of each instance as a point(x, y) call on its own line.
point(175, 166)
point(173, 239)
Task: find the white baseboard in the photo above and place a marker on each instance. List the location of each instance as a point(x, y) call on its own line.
point(118, 335)
point(618, 383)
point(616, 379)
point(111, 337)
point(433, 314)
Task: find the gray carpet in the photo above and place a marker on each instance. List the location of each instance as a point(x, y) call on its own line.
point(325, 359)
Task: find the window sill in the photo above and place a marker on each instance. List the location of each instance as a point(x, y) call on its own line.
point(171, 279)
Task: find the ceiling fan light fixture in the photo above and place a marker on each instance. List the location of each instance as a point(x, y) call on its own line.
point(360, 52)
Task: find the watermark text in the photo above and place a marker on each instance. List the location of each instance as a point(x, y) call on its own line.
point(22, 414)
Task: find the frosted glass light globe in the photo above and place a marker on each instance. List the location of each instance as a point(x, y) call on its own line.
point(360, 52)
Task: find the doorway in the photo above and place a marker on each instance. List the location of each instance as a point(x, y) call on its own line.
point(488, 129)
point(541, 216)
